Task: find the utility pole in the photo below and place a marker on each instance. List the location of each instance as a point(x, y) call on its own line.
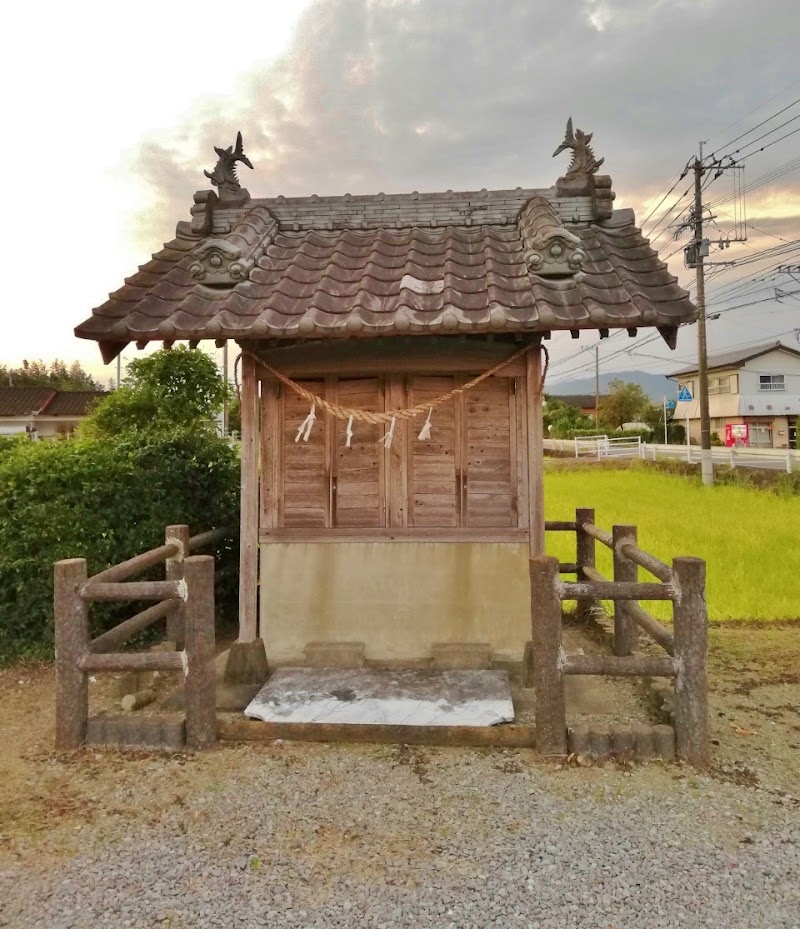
point(706, 464)
point(225, 410)
point(597, 386)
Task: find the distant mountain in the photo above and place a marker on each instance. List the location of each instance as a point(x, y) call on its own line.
point(656, 386)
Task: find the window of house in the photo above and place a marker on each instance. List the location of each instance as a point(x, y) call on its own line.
point(719, 385)
point(772, 382)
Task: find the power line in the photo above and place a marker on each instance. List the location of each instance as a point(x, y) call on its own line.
point(713, 156)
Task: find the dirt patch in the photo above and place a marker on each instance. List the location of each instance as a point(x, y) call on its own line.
point(69, 799)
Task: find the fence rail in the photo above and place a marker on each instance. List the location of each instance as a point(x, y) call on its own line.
point(771, 459)
point(602, 447)
point(682, 583)
point(185, 599)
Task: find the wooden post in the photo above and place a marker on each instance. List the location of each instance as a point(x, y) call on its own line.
point(548, 680)
point(585, 556)
point(691, 642)
point(174, 572)
point(626, 633)
point(248, 539)
point(72, 645)
point(533, 396)
point(201, 716)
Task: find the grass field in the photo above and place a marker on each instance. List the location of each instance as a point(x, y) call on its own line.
point(749, 538)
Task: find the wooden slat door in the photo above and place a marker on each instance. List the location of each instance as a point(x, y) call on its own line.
point(433, 468)
point(358, 479)
point(490, 481)
point(305, 478)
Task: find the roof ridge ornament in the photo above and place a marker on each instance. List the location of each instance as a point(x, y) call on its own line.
point(224, 176)
point(583, 163)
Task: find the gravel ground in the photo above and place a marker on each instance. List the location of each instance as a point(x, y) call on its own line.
point(332, 836)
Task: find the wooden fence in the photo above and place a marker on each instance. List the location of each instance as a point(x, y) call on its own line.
point(682, 583)
point(185, 599)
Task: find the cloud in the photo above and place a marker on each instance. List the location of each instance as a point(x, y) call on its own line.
point(375, 95)
point(388, 95)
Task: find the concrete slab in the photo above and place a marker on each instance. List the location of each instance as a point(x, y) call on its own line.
point(385, 697)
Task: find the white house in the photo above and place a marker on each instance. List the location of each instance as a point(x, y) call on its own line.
point(43, 413)
point(757, 386)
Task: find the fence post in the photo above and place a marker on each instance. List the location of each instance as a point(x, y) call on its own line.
point(626, 634)
point(788, 460)
point(691, 642)
point(72, 644)
point(174, 572)
point(548, 679)
point(584, 557)
point(201, 715)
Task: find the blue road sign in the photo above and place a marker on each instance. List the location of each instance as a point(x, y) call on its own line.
point(685, 394)
point(670, 404)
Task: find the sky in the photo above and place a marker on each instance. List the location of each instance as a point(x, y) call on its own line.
point(112, 111)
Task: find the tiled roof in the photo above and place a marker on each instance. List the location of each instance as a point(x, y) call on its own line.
point(739, 356)
point(73, 402)
point(464, 262)
point(23, 401)
point(29, 401)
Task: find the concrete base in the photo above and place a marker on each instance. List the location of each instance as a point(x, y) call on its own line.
point(462, 656)
point(247, 663)
point(335, 654)
point(150, 733)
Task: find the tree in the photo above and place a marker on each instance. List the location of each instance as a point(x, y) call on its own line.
point(624, 403)
point(172, 390)
point(561, 419)
point(57, 375)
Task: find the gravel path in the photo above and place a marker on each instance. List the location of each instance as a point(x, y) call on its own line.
point(318, 836)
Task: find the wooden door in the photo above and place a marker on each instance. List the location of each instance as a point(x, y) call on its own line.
point(434, 472)
point(358, 479)
point(490, 479)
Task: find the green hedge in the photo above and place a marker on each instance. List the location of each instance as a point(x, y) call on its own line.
point(106, 502)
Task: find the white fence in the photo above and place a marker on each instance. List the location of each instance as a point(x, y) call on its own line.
point(602, 446)
point(773, 459)
point(598, 446)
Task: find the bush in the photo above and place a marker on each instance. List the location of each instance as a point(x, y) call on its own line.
point(103, 501)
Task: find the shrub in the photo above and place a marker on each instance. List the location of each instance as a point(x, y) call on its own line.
point(105, 502)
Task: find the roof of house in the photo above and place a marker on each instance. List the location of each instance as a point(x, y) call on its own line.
point(739, 357)
point(520, 261)
point(579, 401)
point(44, 401)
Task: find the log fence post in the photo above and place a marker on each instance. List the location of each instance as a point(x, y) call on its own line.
point(625, 631)
point(548, 679)
point(174, 572)
point(691, 643)
point(71, 616)
point(201, 717)
point(584, 557)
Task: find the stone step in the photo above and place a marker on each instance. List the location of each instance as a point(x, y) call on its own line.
point(335, 654)
point(147, 733)
point(461, 656)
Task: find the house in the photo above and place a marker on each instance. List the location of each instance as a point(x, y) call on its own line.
point(585, 403)
point(393, 355)
point(755, 388)
point(44, 413)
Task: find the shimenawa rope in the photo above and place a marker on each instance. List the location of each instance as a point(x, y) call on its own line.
point(366, 416)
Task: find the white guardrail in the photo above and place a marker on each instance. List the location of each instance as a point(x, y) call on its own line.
point(603, 446)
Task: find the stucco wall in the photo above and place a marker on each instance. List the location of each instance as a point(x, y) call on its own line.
point(398, 598)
